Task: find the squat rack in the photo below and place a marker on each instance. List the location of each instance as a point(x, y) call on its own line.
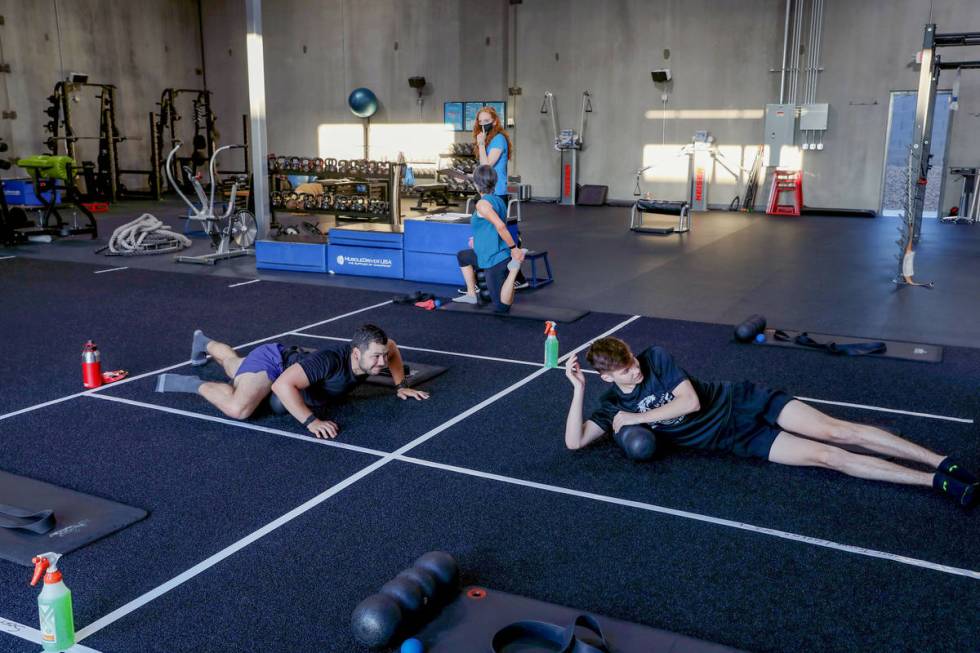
point(920, 158)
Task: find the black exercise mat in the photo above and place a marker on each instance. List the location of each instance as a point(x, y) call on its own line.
point(417, 373)
point(910, 351)
point(470, 622)
point(521, 310)
point(80, 519)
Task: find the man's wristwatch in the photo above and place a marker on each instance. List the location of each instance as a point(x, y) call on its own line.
point(401, 385)
point(309, 420)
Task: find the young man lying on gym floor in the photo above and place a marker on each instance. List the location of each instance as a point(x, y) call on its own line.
point(652, 398)
point(304, 382)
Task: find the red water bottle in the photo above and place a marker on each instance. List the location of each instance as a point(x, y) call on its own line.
point(91, 366)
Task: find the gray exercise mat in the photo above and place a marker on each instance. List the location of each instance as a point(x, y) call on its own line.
point(910, 351)
point(80, 519)
point(470, 622)
point(520, 310)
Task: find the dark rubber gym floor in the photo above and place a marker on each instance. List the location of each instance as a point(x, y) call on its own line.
point(811, 273)
point(262, 539)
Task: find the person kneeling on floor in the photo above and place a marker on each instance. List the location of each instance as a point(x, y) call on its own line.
point(652, 398)
point(492, 247)
point(302, 381)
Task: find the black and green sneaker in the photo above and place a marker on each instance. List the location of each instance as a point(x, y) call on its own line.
point(952, 468)
point(965, 494)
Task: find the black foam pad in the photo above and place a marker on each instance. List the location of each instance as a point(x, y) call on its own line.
point(521, 311)
point(471, 621)
point(80, 519)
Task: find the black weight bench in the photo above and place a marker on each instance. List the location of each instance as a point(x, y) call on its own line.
point(659, 207)
point(437, 194)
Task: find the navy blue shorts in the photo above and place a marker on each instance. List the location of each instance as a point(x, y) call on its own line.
point(755, 414)
point(264, 358)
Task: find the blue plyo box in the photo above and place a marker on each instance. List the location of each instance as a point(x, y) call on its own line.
point(436, 237)
point(429, 267)
point(20, 192)
point(431, 247)
point(285, 255)
point(366, 252)
point(366, 261)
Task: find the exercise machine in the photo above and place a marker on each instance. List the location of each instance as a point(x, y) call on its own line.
point(701, 153)
point(232, 234)
point(968, 210)
point(103, 178)
point(53, 179)
point(920, 158)
point(568, 142)
point(204, 136)
point(644, 205)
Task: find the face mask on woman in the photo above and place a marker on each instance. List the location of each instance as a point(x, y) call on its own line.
point(486, 128)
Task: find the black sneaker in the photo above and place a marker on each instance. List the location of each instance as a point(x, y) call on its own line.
point(965, 494)
point(957, 471)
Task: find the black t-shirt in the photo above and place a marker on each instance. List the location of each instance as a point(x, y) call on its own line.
point(705, 429)
point(328, 370)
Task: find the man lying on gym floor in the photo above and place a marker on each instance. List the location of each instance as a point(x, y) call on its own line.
point(652, 398)
point(304, 382)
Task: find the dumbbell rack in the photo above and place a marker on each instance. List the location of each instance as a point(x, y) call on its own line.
point(455, 157)
point(339, 214)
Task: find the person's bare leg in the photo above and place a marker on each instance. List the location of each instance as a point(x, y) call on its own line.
point(471, 289)
point(240, 400)
point(227, 357)
point(469, 275)
point(789, 449)
point(798, 417)
point(507, 291)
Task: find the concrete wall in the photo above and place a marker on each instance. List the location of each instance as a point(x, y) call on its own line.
point(721, 55)
point(318, 51)
point(141, 47)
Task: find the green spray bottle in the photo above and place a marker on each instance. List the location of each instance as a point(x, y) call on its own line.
point(550, 345)
point(53, 604)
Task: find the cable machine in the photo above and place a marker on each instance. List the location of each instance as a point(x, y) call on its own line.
point(920, 158)
point(568, 142)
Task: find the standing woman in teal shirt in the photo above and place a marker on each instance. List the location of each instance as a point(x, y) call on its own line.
point(493, 148)
point(494, 249)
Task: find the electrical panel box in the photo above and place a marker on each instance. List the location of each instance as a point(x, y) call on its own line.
point(813, 117)
point(780, 129)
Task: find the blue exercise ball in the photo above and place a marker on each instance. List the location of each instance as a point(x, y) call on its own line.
point(363, 102)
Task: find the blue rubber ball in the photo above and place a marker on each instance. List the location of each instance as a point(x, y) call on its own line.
point(412, 646)
point(363, 102)
point(760, 338)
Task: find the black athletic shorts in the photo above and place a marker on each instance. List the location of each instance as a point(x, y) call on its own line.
point(755, 411)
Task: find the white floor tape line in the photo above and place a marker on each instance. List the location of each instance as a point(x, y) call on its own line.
point(34, 635)
point(244, 283)
point(761, 530)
